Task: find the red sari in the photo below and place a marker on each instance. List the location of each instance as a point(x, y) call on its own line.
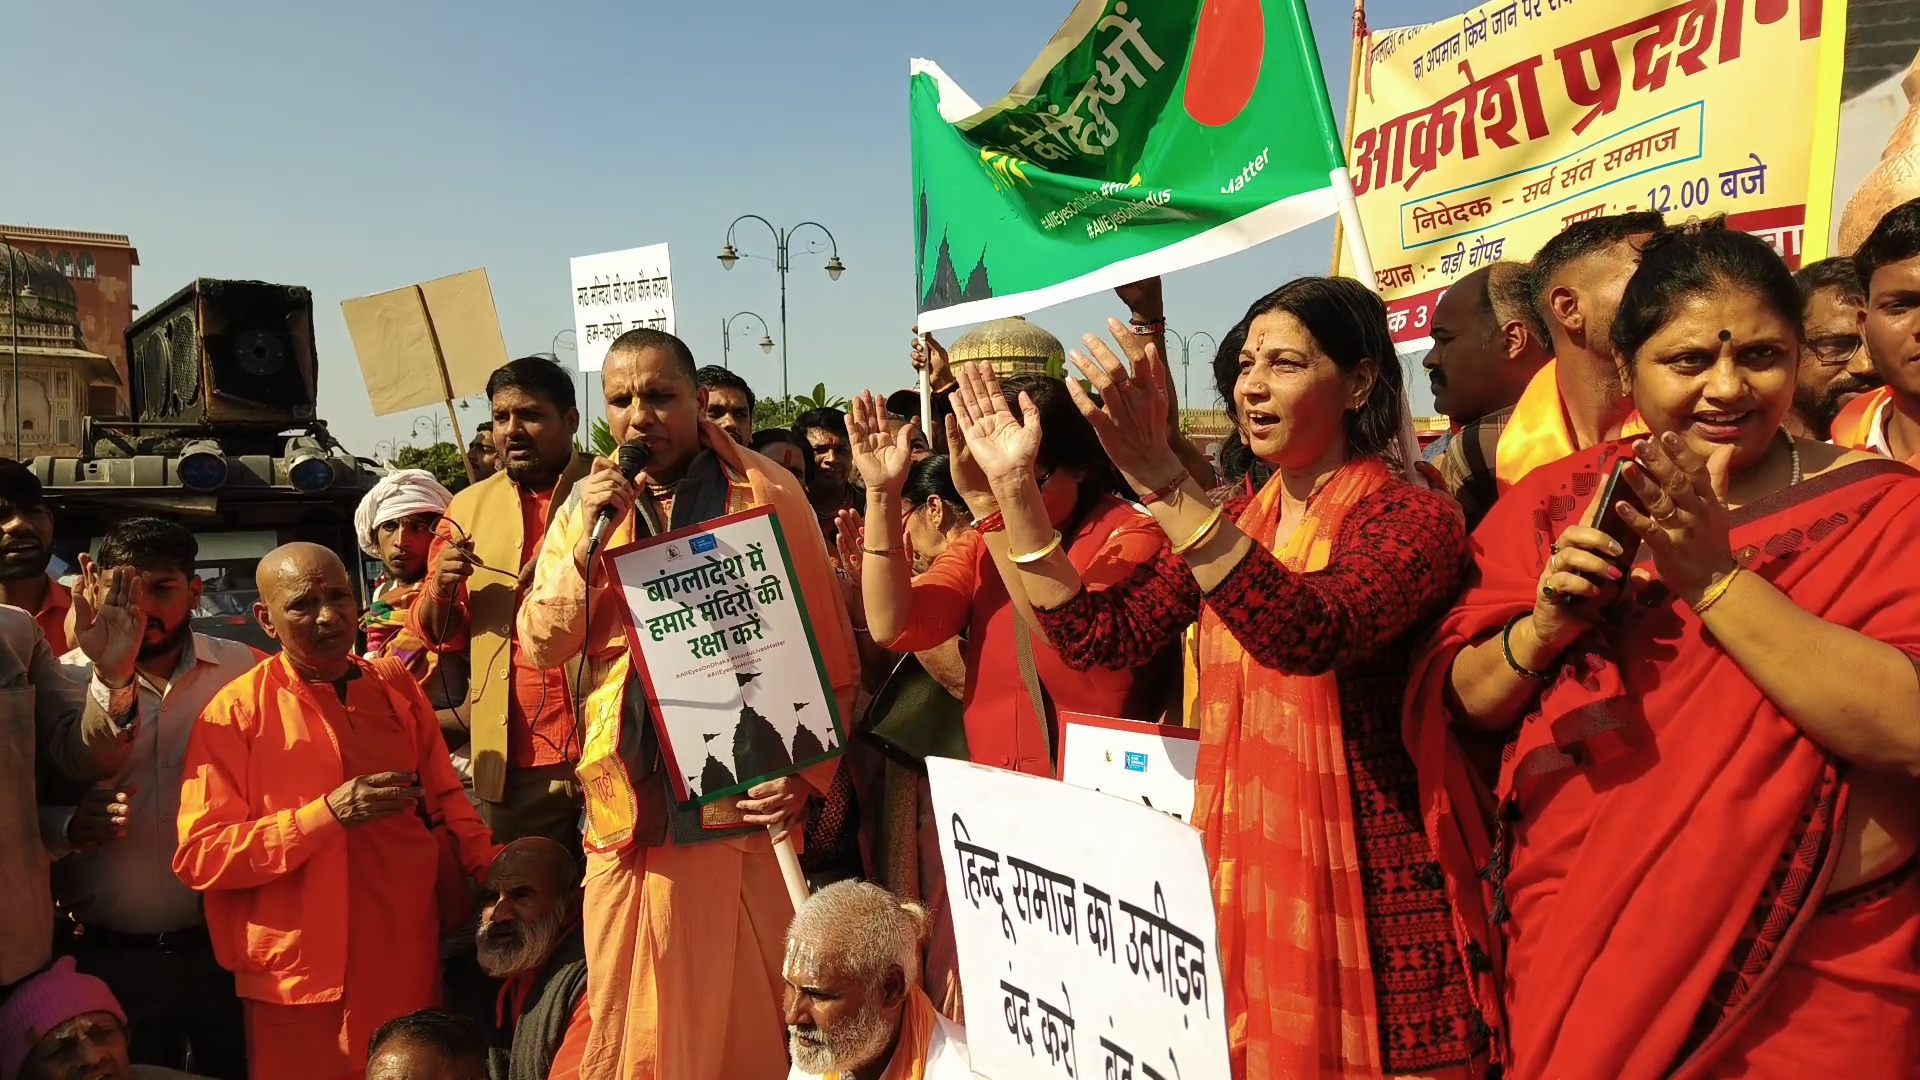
point(1658, 869)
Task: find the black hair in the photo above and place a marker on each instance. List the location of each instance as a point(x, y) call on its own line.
point(538, 376)
point(1576, 242)
point(455, 1037)
point(765, 437)
point(1067, 440)
point(1698, 257)
point(452, 1034)
point(483, 427)
point(714, 377)
point(19, 488)
point(1895, 238)
point(642, 338)
point(149, 543)
point(1349, 323)
point(825, 419)
point(1838, 274)
point(932, 476)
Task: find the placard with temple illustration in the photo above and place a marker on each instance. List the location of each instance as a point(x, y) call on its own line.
point(1085, 930)
point(726, 655)
point(1478, 137)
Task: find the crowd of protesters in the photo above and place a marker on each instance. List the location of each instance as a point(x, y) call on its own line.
point(1582, 745)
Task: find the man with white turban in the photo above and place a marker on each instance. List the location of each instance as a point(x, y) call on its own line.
point(396, 523)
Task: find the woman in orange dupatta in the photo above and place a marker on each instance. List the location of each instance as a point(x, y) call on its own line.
point(1703, 857)
point(1337, 949)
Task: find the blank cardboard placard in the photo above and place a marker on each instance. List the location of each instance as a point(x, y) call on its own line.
point(393, 334)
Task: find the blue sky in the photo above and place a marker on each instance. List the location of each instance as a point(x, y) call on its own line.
point(356, 146)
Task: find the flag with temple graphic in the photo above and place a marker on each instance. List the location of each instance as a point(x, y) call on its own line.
point(1149, 136)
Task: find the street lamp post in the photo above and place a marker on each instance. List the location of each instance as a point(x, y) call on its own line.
point(781, 263)
point(554, 348)
point(726, 337)
point(1186, 341)
point(385, 449)
point(434, 430)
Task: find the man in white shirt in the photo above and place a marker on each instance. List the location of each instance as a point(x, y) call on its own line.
point(854, 1007)
point(126, 918)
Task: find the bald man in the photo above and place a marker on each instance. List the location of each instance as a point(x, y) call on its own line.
point(317, 805)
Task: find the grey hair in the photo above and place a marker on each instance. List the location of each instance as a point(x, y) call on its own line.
point(867, 929)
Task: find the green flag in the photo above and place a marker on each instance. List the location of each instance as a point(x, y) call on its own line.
point(1149, 136)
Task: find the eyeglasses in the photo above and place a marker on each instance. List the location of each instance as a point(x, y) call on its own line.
point(1836, 350)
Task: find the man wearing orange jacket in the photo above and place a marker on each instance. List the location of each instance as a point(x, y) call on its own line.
point(314, 787)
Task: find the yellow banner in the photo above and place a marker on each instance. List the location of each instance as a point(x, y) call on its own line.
point(1477, 138)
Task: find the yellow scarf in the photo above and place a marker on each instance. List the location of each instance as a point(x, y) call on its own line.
point(1538, 432)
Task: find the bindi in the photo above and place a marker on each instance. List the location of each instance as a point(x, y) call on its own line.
point(1726, 335)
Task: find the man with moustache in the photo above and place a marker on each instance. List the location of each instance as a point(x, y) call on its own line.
point(684, 904)
point(854, 1007)
point(529, 938)
point(481, 452)
point(128, 919)
point(64, 1025)
point(1485, 352)
point(822, 433)
point(524, 743)
point(314, 787)
point(1887, 420)
point(396, 523)
point(1579, 398)
point(1835, 367)
point(729, 403)
point(26, 550)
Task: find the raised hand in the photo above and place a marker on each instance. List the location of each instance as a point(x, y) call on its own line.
point(882, 446)
point(1131, 416)
point(968, 480)
point(930, 355)
point(849, 536)
point(108, 622)
point(1004, 446)
point(1687, 526)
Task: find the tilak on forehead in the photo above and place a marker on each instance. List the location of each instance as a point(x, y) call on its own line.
point(803, 960)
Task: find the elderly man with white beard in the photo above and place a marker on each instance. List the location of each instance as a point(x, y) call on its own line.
point(854, 1007)
point(529, 938)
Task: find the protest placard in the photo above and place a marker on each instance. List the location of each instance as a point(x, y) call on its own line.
point(618, 291)
point(1151, 764)
point(726, 655)
point(1085, 930)
point(1146, 138)
point(419, 344)
point(1477, 138)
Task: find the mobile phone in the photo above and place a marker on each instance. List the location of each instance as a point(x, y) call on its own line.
point(1610, 522)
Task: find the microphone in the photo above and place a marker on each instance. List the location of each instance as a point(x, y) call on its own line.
point(633, 458)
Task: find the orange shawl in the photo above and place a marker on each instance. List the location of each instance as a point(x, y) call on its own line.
point(1538, 432)
point(1299, 983)
point(1853, 428)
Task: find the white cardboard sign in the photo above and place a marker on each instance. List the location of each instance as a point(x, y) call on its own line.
point(618, 291)
point(1085, 931)
point(1151, 764)
point(726, 655)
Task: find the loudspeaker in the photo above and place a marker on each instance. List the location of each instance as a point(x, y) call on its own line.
point(234, 353)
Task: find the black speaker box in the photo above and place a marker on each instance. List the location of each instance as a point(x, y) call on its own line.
point(235, 353)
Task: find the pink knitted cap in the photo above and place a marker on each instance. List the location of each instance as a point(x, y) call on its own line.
point(43, 1003)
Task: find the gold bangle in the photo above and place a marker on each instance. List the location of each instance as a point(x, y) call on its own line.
point(1714, 592)
point(1200, 535)
point(1053, 545)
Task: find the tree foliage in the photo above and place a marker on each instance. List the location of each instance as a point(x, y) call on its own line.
point(445, 461)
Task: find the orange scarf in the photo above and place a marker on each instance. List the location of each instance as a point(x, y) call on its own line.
point(1853, 428)
point(916, 1033)
point(1273, 801)
point(1538, 433)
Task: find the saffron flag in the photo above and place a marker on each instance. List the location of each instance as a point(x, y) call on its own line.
point(1149, 136)
point(1478, 137)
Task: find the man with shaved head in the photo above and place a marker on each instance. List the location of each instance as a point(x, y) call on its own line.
point(317, 803)
point(854, 1007)
point(684, 903)
point(1485, 352)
